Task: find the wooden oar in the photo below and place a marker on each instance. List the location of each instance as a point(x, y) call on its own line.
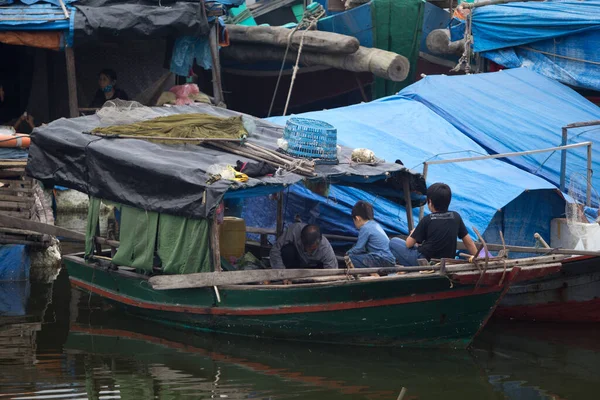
point(20, 223)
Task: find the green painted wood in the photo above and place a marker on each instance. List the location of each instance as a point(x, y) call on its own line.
point(438, 322)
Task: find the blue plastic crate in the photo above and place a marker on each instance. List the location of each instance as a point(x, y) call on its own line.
point(310, 138)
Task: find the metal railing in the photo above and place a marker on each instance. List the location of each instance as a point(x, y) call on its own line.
point(564, 148)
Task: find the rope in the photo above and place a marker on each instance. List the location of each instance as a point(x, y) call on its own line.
point(308, 21)
point(466, 56)
point(547, 53)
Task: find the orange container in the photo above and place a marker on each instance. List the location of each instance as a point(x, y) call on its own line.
point(16, 140)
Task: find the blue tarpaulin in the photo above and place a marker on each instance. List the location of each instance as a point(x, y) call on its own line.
point(516, 110)
point(14, 263)
point(557, 38)
point(399, 128)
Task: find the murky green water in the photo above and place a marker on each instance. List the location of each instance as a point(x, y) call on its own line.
point(69, 345)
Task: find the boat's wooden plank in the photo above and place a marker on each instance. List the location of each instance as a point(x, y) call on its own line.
point(16, 214)
point(24, 242)
point(6, 197)
point(14, 205)
point(18, 182)
point(12, 172)
point(19, 223)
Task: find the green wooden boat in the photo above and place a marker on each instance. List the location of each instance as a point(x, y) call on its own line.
point(168, 202)
point(414, 309)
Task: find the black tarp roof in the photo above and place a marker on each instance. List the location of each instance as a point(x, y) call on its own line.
point(118, 20)
point(172, 178)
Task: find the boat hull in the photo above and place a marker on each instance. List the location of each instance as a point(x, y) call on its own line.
point(428, 311)
point(571, 295)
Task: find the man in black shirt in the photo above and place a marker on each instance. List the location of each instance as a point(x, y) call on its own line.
point(435, 235)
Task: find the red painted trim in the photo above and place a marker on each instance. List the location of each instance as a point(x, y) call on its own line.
point(568, 311)
point(578, 258)
point(283, 310)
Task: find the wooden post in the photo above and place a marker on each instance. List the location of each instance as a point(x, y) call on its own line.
point(213, 39)
point(425, 170)
point(72, 83)
point(563, 160)
point(408, 203)
point(214, 244)
point(588, 191)
point(279, 228)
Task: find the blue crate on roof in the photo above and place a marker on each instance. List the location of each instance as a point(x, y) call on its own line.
point(310, 138)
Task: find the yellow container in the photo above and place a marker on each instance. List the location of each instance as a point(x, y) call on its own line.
point(232, 237)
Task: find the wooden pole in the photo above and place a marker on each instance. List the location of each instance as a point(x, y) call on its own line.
point(216, 67)
point(208, 279)
point(319, 41)
point(72, 83)
point(588, 191)
point(381, 63)
point(279, 228)
point(214, 244)
point(408, 201)
point(425, 171)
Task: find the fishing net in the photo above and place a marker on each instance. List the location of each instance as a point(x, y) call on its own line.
point(120, 112)
point(203, 126)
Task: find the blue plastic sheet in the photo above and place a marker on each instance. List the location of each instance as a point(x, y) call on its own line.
point(13, 298)
point(14, 263)
point(509, 25)
point(556, 38)
point(12, 154)
point(399, 128)
point(516, 110)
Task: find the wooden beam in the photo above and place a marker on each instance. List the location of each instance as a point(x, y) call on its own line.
point(19, 223)
point(319, 41)
point(72, 83)
point(279, 227)
point(408, 202)
point(215, 246)
point(207, 279)
point(213, 39)
point(384, 64)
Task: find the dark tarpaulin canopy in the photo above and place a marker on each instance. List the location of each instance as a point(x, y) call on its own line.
point(172, 178)
point(112, 20)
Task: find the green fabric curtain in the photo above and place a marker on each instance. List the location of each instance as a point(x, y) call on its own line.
point(92, 225)
point(183, 245)
point(137, 238)
point(398, 28)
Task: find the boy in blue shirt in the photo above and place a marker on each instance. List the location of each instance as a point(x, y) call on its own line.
point(372, 250)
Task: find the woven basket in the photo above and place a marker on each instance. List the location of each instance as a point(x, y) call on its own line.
point(313, 139)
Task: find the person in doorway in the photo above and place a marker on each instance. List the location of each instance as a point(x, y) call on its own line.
point(107, 80)
point(435, 235)
point(372, 250)
point(302, 246)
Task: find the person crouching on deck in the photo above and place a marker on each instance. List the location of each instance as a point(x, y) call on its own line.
point(372, 250)
point(435, 235)
point(302, 246)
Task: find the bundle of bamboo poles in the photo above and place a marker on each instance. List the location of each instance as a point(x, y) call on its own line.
point(278, 160)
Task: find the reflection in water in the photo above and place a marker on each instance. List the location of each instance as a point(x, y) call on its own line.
point(70, 345)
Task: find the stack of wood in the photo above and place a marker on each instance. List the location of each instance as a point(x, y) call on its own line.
point(20, 197)
point(267, 43)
